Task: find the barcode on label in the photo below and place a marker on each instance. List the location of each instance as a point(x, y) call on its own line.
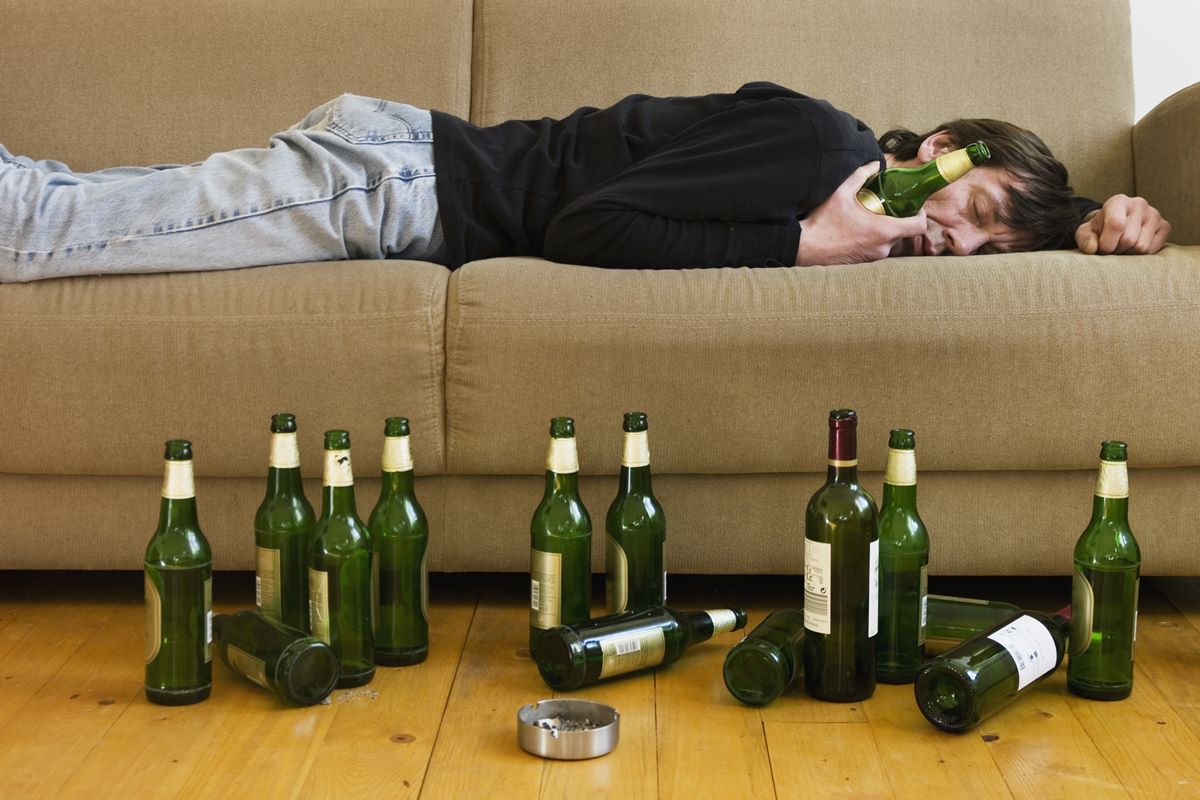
point(627, 646)
point(535, 595)
point(816, 604)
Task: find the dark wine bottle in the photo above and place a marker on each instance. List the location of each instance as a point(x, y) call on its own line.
point(841, 575)
point(280, 659)
point(763, 665)
point(901, 191)
point(572, 656)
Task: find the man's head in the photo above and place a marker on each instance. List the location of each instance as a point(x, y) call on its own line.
point(1020, 200)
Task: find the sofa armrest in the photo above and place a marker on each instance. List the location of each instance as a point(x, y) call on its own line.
point(1165, 162)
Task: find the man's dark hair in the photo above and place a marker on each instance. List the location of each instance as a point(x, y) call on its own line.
point(1039, 201)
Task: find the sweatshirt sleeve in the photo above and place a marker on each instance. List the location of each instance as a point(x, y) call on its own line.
point(724, 192)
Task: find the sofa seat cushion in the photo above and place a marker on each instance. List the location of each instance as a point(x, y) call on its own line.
point(1007, 362)
point(97, 373)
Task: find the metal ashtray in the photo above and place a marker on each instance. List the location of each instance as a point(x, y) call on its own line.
point(568, 729)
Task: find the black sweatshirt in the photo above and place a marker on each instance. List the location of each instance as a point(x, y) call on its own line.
point(711, 181)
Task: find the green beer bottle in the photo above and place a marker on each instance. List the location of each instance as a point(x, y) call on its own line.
point(280, 659)
point(1104, 591)
point(953, 620)
point(560, 552)
point(964, 686)
point(763, 665)
point(901, 191)
point(903, 567)
point(573, 656)
point(340, 582)
point(634, 576)
point(178, 583)
point(283, 528)
point(400, 538)
point(841, 575)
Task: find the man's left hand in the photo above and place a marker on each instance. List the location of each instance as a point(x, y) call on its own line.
point(1124, 226)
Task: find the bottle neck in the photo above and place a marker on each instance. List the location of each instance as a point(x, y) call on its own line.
point(900, 496)
point(338, 501)
point(1111, 500)
point(900, 478)
point(843, 455)
point(706, 624)
point(337, 497)
point(178, 507)
point(562, 482)
point(396, 483)
point(283, 481)
point(635, 480)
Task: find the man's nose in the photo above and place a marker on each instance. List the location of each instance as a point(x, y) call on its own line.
point(964, 241)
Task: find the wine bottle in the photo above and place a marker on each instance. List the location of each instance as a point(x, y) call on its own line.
point(953, 620)
point(341, 587)
point(400, 539)
point(901, 191)
point(841, 575)
point(765, 663)
point(572, 656)
point(964, 686)
point(560, 552)
point(636, 529)
point(178, 585)
point(283, 528)
point(1104, 591)
point(279, 658)
point(903, 567)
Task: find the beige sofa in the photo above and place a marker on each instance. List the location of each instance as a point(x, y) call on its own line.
point(1010, 368)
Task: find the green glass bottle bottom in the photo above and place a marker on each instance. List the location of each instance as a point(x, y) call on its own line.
point(401, 657)
point(182, 697)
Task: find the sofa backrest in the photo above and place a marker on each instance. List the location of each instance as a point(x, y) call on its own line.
point(1061, 68)
point(106, 82)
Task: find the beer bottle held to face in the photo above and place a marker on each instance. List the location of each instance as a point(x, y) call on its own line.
point(560, 551)
point(400, 540)
point(283, 527)
point(340, 580)
point(294, 666)
point(636, 529)
point(1104, 591)
point(903, 567)
point(573, 656)
point(178, 585)
point(841, 575)
point(901, 191)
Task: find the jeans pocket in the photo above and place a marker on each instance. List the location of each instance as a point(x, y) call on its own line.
point(367, 120)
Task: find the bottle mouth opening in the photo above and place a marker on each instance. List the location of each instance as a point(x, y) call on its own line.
point(283, 423)
point(337, 440)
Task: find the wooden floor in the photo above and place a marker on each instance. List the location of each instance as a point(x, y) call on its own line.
point(74, 721)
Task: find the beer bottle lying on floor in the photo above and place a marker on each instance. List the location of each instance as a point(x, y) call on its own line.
point(280, 659)
point(572, 656)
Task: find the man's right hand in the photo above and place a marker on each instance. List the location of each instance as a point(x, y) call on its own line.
point(841, 231)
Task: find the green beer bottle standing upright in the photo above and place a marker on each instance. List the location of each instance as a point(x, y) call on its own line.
point(841, 575)
point(399, 539)
point(1104, 591)
point(636, 529)
point(283, 528)
point(560, 549)
point(340, 585)
point(178, 584)
point(903, 567)
point(901, 191)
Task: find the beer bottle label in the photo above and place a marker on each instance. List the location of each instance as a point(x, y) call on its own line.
point(628, 652)
point(873, 591)
point(247, 665)
point(318, 604)
point(1083, 604)
point(818, 564)
point(545, 589)
point(153, 619)
point(208, 615)
point(266, 581)
point(924, 603)
point(616, 576)
point(1031, 647)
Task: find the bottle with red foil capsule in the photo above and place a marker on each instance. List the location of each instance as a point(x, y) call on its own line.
point(841, 575)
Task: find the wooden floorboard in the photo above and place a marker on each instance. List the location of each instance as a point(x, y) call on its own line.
point(75, 723)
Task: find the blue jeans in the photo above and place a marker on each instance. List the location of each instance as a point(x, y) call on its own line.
point(354, 179)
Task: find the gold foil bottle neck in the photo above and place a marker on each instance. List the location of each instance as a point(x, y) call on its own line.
point(901, 468)
point(178, 481)
point(1112, 482)
point(954, 165)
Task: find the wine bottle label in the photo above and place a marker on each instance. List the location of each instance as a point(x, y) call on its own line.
point(637, 449)
point(924, 603)
point(1083, 605)
point(1031, 647)
point(873, 591)
point(208, 615)
point(153, 619)
point(1112, 482)
point(818, 567)
point(285, 451)
point(545, 589)
point(397, 456)
point(337, 468)
point(723, 620)
point(616, 576)
point(901, 468)
point(562, 457)
point(247, 665)
point(318, 604)
point(954, 165)
point(178, 481)
point(628, 652)
point(266, 581)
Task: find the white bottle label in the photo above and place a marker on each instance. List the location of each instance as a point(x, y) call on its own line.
point(628, 652)
point(1031, 647)
point(338, 471)
point(178, 481)
point(924, 603)
point(818, 565)
point(397, 455)
point(873, 592)
point(637, 449)
point(545, 589)
point(562, 456)
point(266, 581)
point(1112, 481)
point(285, 452)
point(723, 620)
point(208, 616)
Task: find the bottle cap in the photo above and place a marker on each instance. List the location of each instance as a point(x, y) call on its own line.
point(1113, 450)
point(283, 423)
point(337, 440)
point(562, 428)
point(843, 437)
point(635, 421)
point(396, 426)
point(178, 450)
point(902, 439)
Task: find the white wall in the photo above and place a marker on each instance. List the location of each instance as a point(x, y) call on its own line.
point(1165, 53)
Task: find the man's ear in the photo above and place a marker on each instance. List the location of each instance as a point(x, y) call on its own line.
point(935, 145)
